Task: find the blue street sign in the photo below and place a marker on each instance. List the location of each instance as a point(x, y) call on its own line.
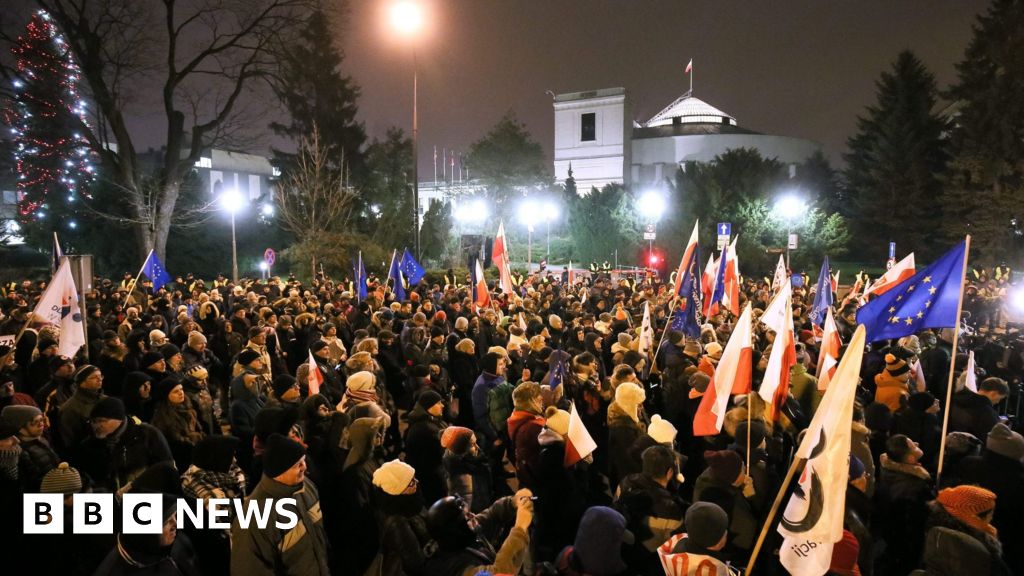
point(725, 229)
point(892, 250)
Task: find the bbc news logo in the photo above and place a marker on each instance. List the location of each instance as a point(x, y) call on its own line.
point(144, 513)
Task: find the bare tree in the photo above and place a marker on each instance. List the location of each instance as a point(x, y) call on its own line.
point(196, 58)
point(314, 201)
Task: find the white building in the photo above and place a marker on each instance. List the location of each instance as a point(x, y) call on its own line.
point(594, 133)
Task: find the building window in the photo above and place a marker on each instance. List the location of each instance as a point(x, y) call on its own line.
point(10, 197)
point(204, 162)
point(588, 127)
point(254, 187)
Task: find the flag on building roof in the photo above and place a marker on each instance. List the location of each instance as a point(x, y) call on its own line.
point(812, 521)
point(155, 271)
point(410, 268)
point(689, 67)
point(928, 299)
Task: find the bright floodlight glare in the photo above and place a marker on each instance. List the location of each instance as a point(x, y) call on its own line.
point(550, 210)
point(652, 205)
point(406, 17)
point(473, 210)
point(1017, 298)
point(268, 210)
point(528, 212)
point(790, 206)
point(231, 201)
point(264, 266)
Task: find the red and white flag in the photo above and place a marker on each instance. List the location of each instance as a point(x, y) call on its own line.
point(522, 323)
point(500, 256)
point(684, 262)
point(689, 67)
point(781, 276)
point(59, 307)
point(707, 284)
point(646, 342)
point(901, 271)
point(828, 357)
point(313, 376)
point(731, 297)
point(578, 442)
point(733, 373)
point(778, 316)
point(480, 294)
point(813, 518)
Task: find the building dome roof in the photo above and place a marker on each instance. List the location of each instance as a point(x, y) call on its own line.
point(690, 110)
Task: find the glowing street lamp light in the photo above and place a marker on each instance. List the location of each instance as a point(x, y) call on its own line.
point(550, 211)
point(232, 202)
point(790, 207)
point(407, 19)
point(652, 206)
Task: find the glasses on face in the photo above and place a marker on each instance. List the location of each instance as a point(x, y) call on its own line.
point(37, 421)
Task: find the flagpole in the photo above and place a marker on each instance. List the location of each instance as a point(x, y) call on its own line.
point(131, 287)
point(952, 362)
point(750, 411)
point(775, 508)
point(393, 253)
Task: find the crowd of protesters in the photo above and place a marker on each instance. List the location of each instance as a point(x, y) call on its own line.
point(436, 444)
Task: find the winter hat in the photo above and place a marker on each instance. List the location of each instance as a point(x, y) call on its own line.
point(318, 346)
point(557, 420)
point(714, 350)
point(169, 351)
point(706, 523)
point(215, 452)
point(624, 340)
point(281, 454)
point(758, 433)
point(699, 381)
point(248, 356)
point(629, 394)
point(361, 382)
point(911, 343)
point(844, 556)
point(19, 415)
point(599, 540)
point(163, 388)
point(150, 358)
point(967, 504)
point(1005, 442)
point(108, 407)
point(393, 477)
point(661, 430)
point(490, 362)
point(877, 416)
point(197, 373)
point(428, 398)
point(58, 360)
point(725, 465)
point(157, 338)
point(856, 468)
point(896, 366)
point(525, 394)
point(84, 372)
point(921, 401)
point(675, 336)
point(274, 420)
point(61, 480)
point(456, 439)
point(962, 444)
point(692, 349)
point(282, 383)
point(195, 338)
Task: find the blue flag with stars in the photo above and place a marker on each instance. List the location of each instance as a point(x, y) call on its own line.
point(411, 269)
point(823, 296)
point(688, 318)
point(155, 271)
point(395, 277)
point(558, 366)
point(927, 299)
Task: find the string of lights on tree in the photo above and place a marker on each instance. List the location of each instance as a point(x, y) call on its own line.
point(53, 159)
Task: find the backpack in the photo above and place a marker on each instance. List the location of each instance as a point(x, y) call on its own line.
point(499, 405)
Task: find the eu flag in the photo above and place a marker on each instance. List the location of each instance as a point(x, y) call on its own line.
point(154, 270)
point(688, 318)
point(395, 276)
point(559, 369)
point(410, 268)
point(360, 271)
point(927, 299)
point(823, 295)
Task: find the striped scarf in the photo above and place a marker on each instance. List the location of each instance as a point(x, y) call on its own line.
point(353, 397)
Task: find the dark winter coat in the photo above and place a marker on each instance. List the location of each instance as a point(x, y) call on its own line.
point(37, 458)
point(1004, 477)
point(973, 413)
point(469, 477)
point(403, 533)
point(952, 547)
point(901, 497)
point(743, 522)
point(523, 429)
point(424, 453)
point(149, 560)
point(118, 459)
point(623, 432)
point(561, 497)
point(653, 514)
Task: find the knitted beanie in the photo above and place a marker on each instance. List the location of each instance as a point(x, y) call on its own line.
point(1005, 442)
point(844, 556)
point(705, 523)
point(169, 351)
point(629, 395)
point(921, 401)
point(699, 381)
point(195, 339)
point(248, 356)
point(84, 372)
point(661, 430)
point(896, 366)
point(361, 382)
point(714, 350)
point(282, 383)
point(197, 373)
point(393, 477)
point(281, 454)
point(108, 407)
point(150, 358)
point(724, 465)
point(18, 415)
point(856, 468)
point(557, 420)
point(967, 503)
point(61, 480)
point(428, 398)
point(456, 439)
point(524, 394)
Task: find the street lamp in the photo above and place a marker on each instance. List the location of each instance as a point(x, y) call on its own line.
point(407, 20)
point(790, 207)
point(550, 213)
point(264, 269)
point(472, 211)
point(651, 205)
point(232, 202)
point(528, 210)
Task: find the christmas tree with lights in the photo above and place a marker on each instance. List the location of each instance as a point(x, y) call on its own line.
point(47, 119)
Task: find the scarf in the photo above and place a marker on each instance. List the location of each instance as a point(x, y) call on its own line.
point(353, 397)
point(9, 461)
point(205, 484)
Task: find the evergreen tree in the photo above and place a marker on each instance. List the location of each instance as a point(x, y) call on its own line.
point(435, 234)
point(507, 159)
point(602, 222)
point(316, 93)
point(986, 179)
point(895, 162)
point(388, 190)
point(52, 157)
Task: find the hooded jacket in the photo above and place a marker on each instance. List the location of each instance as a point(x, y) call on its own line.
point(523, 430)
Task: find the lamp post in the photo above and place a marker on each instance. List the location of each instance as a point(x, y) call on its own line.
point(407, 20)
point(550, 213)
point(231, 200)
point(790, 207)
point(528, 211)
point(472, 211)
point(651, 205)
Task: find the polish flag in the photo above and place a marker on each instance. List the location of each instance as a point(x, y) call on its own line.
point(707, 279)
point(684, 263)
point(313, 376)
point(731, 377)
point(522, 323)
point(828, 357)
point(779, 317)
point(835, 282)
point(731, 298)
point(578, 442)
point(500, 256)
point(901, 271)
point(781, 275)
point(689, 67)
point(480, 295)
point(970, 377)
point(710, 281)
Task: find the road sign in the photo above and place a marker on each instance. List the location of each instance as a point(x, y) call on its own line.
point(892, 251)
point(890, 263)
point(269, 256)
point(794, 240)
point(724, 230)
point(650, 232)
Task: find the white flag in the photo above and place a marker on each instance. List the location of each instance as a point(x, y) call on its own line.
point(59, 306)
point(970, 377)
point(646, 332)
point(779, 317)
point(813, 518)
point(780, 275)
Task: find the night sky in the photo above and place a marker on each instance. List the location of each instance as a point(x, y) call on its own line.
point(803, 69)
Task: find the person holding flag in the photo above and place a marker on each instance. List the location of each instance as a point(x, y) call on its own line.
point(411, 269)
point(395, 278)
